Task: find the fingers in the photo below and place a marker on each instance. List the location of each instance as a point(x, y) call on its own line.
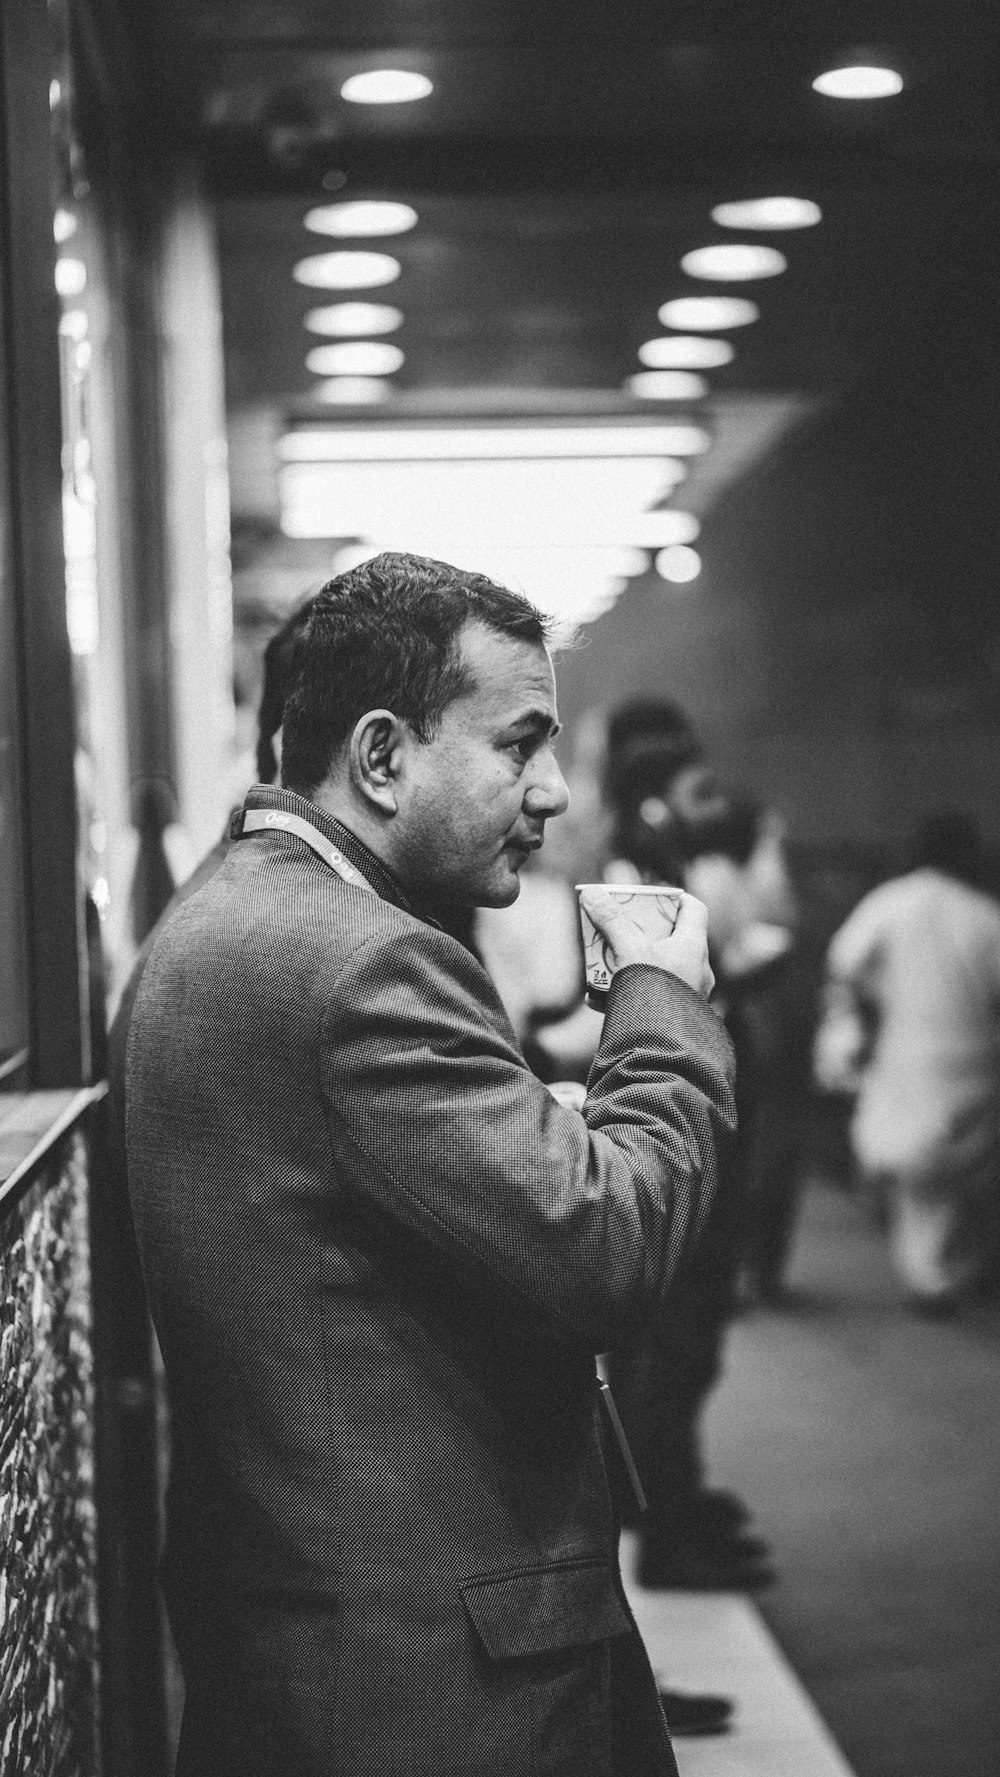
point(692, 915)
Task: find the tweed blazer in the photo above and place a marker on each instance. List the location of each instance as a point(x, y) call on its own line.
point(380, 1259)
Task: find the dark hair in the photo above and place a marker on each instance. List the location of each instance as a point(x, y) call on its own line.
point(279, 667)
point(728, 825)
point(649, 741)
point(387, 635)
point(950, 841)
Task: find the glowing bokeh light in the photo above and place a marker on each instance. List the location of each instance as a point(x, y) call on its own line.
point(734, 263)
point(71, 277)
point(669, 526)
point(768, 212)
point(63, 225)
point(386, 86)
point(678, 563)
point(364, 217)
point(708, 314)
point(346, 271)
point(350, 320)
point(668, 385)
point(354, 391)
point(360, 357)
point(686, 351)
point(859, 82)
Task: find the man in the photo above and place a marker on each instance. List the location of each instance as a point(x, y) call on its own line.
point(380, 1257)
point(917, 967)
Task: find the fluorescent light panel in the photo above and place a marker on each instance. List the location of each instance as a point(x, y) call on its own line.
point(568, 529)
point(360, 444)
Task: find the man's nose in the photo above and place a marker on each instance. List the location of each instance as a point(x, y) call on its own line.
point(547, 795)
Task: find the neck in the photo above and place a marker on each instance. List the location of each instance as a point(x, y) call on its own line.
point(352, 812)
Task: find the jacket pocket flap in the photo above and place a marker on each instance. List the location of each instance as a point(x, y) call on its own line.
point(545, 1608)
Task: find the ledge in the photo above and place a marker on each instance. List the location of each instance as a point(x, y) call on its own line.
point(30, 1125)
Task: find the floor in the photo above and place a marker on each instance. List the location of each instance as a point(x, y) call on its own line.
point(719, 1643)
point(867, 1441)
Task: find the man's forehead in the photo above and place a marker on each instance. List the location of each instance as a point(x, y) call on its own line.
point(507, 671)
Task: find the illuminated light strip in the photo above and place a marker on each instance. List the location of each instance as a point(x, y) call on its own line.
point(365, 444)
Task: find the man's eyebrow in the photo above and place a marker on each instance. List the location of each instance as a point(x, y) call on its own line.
point(541, 720)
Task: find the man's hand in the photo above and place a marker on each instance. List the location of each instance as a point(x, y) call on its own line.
point(682, 952)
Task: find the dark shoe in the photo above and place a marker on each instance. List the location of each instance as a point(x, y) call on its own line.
point(689, 1712)
point(716, 1505)
point(697, 1570)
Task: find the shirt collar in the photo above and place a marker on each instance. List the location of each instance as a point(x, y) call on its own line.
point(354, 850)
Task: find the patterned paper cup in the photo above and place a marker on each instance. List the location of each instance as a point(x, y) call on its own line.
point(653, 907)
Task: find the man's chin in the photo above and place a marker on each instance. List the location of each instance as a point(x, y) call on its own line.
point(501, 894)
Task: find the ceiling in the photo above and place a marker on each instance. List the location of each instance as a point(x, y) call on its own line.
point(570, 153)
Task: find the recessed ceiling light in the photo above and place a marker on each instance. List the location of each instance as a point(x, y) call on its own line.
point(678, 563)
point(709, 314)
point(768, 212)
point(860, 82)
point(346, 271)
point(63, 225)
point(354, 391)
point(364, 217)
point(734, 263)
point(359, 357)
point(686, 351)
point(349, 320)
point(668, 385)
point(386, 86)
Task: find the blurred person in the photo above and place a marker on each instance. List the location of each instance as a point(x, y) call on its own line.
point(277, 667)
point(728, 850)
point(649, 768)
point(670, 821)
point(380, 1255)
point(912, 1025)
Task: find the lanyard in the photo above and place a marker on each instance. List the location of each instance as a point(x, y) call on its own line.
point(259, 820)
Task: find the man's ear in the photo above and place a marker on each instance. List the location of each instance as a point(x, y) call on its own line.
point(377, 757)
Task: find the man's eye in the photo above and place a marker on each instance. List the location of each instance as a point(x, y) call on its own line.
point(526, 745)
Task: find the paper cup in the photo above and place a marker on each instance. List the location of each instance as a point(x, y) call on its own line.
point(653, 907)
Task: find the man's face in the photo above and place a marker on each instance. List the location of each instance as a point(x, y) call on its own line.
point(473, 801)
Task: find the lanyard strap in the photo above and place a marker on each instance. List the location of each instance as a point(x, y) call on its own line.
point(270, 820)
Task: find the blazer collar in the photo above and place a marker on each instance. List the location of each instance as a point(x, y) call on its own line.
point(357, 853)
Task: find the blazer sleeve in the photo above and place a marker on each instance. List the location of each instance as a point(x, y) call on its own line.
point(435, 1120)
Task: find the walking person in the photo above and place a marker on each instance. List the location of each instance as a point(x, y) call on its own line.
point(916, 967)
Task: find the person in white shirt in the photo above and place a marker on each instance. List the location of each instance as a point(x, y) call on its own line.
point(917, 964)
